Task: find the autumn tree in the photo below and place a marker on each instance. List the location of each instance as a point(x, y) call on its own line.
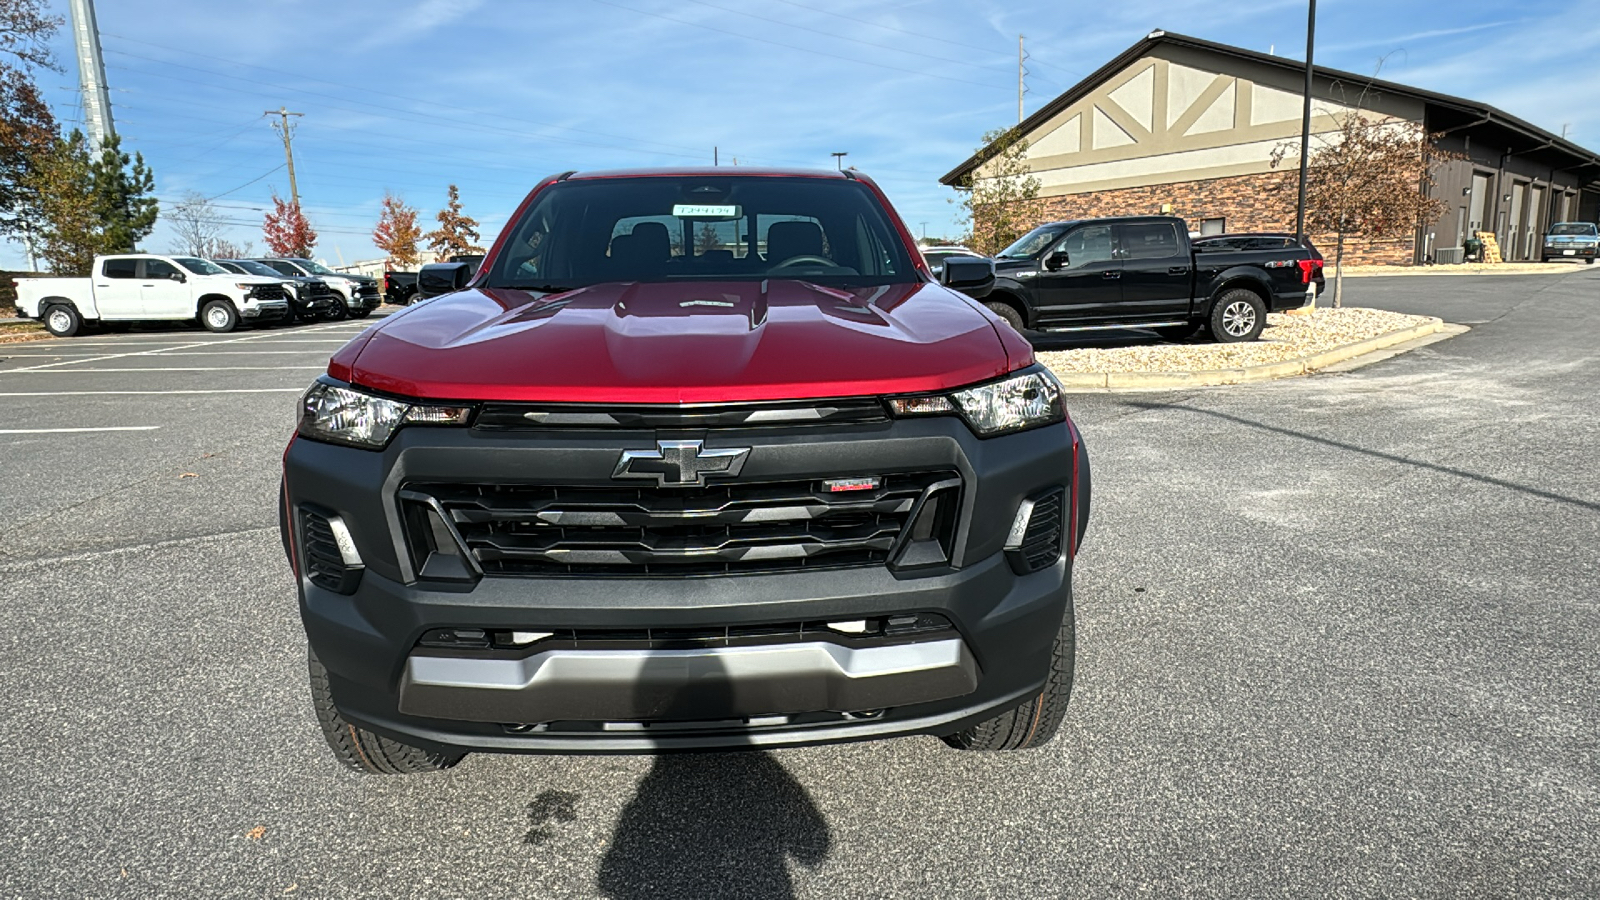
point(286, 230)
point(1000, 198)
point(457, 234)
point(65, 232)
point(1372, 178)
point(397, 231)
point(706, 238)
point(27, 129)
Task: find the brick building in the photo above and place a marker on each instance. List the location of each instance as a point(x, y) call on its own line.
point(1187, 127)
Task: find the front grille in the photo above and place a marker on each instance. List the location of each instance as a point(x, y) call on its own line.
point(542, 530)
point(269, 292)
point(318, 290)
point(864, 632)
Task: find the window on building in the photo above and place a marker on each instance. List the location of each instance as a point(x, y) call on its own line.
point(1218, 225)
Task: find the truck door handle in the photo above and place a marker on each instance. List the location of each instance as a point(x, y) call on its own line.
point(1112, 275)
point(1177, 270)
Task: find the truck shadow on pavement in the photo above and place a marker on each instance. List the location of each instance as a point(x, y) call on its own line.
point(705, 825)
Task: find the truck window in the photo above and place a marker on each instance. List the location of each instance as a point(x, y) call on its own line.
point(120, 268)
point(1090, 244)
point(695, 227)
point(1150, 240)
point(159, 268)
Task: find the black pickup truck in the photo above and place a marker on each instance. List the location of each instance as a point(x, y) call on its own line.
point(1143, 272)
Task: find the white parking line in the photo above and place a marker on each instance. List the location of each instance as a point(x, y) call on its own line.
point(238, 340)
point(77, 430)
point(293, 390)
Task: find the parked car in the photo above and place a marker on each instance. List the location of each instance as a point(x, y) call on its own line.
point(134, 287)
point(309, 298)
point(398, 287)
point(1572, 240)
point(937, 255)
point(1142, 272)
point(359, 293)
point(619, 495)
point(461, 268)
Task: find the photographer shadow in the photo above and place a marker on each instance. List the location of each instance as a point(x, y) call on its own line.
point(707, 825)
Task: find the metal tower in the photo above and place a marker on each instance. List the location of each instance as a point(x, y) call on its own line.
point(92, 73)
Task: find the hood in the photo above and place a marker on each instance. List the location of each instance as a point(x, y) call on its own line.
point(246, 279)
point(700, 342)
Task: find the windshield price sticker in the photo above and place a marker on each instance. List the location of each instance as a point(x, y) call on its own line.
point(700, 211)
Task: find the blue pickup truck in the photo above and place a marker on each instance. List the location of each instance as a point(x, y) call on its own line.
point(1572, 240)
point(1143, 272)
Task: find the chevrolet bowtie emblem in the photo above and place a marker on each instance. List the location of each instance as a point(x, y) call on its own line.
point(681, 463)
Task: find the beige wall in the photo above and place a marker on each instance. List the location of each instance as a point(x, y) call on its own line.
point(1185, 115)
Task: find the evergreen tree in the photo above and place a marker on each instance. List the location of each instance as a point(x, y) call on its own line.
point(122, 203)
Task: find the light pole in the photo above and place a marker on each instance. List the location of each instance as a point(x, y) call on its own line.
point(838, 158)
point(1305, 125)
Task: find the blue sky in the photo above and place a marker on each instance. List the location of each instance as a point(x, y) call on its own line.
point(409, 95)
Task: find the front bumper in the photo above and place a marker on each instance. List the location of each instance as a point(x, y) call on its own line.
point(1569, 251)
point(572, 699)
point(265, 310)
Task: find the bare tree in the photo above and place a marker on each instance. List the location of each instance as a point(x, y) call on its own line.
point(1000, 198)
point(197, 226)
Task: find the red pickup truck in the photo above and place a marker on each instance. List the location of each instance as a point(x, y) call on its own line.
point(695, 459)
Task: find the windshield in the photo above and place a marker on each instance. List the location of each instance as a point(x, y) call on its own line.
point(314, 268)
point(696, 228)
point(256, 268)
point(1572, 228)
point(199, 266)
point(1033, 243)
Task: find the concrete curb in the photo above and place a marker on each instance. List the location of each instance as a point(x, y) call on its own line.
point(15, 321)
point(1144, 381)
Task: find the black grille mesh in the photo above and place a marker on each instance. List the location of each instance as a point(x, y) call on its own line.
point(325, 568)
point(1041, 543)
point(532, 530)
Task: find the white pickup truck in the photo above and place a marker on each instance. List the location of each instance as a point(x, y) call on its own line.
point(138, 287)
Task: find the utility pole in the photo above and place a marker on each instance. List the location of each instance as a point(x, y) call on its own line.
point(92, 73)
point(1022, 87)
point(1305, 125)
point(838, 158)
point(284, 128)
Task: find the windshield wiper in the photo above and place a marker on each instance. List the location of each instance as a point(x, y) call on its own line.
point(542, 288)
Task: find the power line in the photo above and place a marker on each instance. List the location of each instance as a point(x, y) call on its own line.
point(836, 37)
point(927, 37)
point(751, 37)
point(499, 114)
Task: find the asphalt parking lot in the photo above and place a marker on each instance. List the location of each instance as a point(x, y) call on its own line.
point(1337, 638)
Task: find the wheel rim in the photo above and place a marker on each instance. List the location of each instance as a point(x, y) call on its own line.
point(1238, 318)
point(59, 321)
point(217, 317)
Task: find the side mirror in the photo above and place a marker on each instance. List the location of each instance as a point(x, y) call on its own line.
point(178, 277)
point(443, 278)
point(969, 275)
point(1056, 260)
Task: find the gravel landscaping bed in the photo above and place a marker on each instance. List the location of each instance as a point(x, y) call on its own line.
point(1286, 337)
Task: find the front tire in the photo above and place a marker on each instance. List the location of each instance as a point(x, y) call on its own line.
point(62, 320)
point(338, 312)
point(1035, 722)
point(360, 749)
point(219, 316)
point(1238, 315)
point(360, 313)
point(1008, 312)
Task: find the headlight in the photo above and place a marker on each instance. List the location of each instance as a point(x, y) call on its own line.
point(1018, 403)
point(340, 415)
point(245, 286)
